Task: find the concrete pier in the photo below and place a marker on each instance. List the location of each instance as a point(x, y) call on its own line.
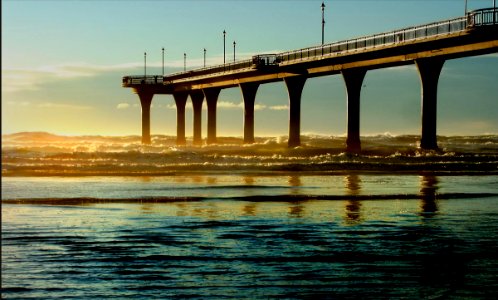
point(429, 70)
point(249, 91)
point(353, 78)
point(427, 46)
point(181, 101)
point(295, 86)
point(197, 99)
point(211, 100)
point(145, 102)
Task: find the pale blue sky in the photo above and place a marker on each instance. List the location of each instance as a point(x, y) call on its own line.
point(62, 63)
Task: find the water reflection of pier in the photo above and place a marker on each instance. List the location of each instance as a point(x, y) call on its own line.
point(428, 189)
point(353, 191)
point(353, 205)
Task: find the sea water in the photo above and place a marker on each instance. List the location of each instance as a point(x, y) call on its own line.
point(105, 217)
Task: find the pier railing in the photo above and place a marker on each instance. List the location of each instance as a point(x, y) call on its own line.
point(142, 79)
point(377, 40)
point(480, 17)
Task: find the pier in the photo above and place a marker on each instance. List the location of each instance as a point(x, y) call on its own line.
point(427, 46)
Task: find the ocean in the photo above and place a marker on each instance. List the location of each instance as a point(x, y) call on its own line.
point(109, 218)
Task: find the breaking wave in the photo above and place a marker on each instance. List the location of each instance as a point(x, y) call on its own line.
point(45, 154)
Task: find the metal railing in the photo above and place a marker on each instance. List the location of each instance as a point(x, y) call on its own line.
point(483, 17)
point(206, 71)
point(141, 79)
point(376, 40)
point(476, 18)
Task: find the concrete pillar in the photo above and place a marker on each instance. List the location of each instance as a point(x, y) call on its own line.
point(353, 78)
point(181, 101)
point(295, 88)
point(197, 99)
point(249, 94)
point(211, 100)
point(429, 70)
point(145, 102)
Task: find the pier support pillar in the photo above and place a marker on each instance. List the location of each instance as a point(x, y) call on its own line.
point(249, 95)
point(197, 99)
point(295, 88)
point(145, 102)
point(429, 70)
point(211, 100)
point(353, 78)
point(181, 101)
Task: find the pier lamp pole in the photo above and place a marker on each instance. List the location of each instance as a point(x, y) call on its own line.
point(494, 12)
point(465, 7)
point(204, 57)
point(323, 21)
point(184, 62)
point(163, 61)
point(145, 64)
point(234, 51)
point(224, 35)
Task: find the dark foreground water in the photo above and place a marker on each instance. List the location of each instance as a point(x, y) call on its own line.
point(251, 237)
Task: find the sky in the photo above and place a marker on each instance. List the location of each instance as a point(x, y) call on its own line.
point(63, 60)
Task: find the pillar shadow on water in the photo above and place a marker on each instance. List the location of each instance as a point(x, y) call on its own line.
point(428, 190)
point(353, 205)
point(296, 208)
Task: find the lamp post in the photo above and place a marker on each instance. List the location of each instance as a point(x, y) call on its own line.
point(234, 51)
point(494, 11)
point(163, 61)
point(145, 64)
point(323, 21)
point(204, 57)
point(465, 7)
point(224, 35)
point(184, 62)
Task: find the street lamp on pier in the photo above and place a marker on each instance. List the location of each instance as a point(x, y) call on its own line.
point(323, 21)
point(184, 62)
point(204, 57)
point(163, 61)
point(224, 35)
point(145, 64)
point(234, 51)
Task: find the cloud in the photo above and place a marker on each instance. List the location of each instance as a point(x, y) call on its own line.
point(279, 107)
point(259, 106)
point(17, 103)
point(64, 106)
point(220, 105)
point(123, 106)
point(29, 79)
point(230, 105)
point(49, 105)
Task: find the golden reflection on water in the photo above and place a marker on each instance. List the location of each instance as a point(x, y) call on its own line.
point(353, 206)
point(350, 208)
point(248, 180)
point(249, 209)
